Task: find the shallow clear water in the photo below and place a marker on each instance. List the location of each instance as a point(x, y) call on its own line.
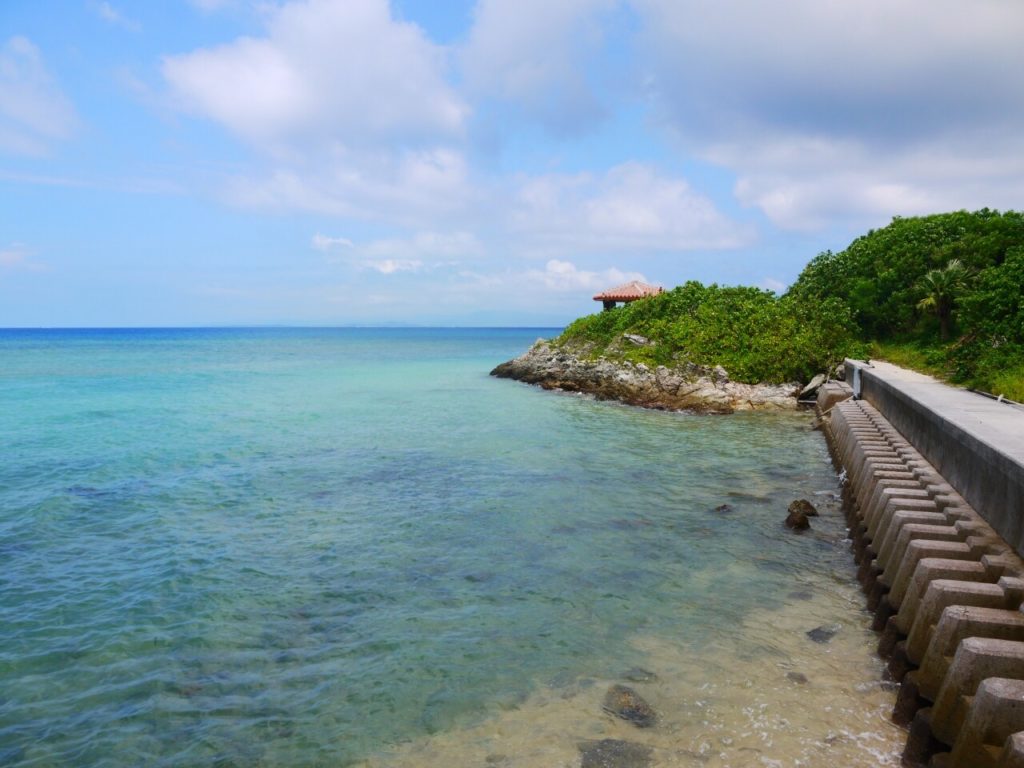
point(318, 547)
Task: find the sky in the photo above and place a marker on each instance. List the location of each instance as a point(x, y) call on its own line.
point(428, 162)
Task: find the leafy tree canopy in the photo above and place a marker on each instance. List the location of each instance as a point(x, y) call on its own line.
point(755, 335)
point(947, 289)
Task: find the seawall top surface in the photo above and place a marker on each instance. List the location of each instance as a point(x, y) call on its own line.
point(999, 425)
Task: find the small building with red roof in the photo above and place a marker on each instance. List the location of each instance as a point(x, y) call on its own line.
point(627, 292)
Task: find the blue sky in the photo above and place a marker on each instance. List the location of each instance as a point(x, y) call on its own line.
point(211, 162)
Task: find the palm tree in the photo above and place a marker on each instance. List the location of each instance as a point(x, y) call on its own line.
point(942, 287)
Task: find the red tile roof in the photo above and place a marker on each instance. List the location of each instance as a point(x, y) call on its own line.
point(629, 292)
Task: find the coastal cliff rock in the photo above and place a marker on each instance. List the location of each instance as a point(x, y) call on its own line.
point(686, 387)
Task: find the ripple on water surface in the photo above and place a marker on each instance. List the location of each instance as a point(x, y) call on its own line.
point(324, 548)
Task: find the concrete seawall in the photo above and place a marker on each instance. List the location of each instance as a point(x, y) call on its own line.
point(976, 443)
point(944, 582)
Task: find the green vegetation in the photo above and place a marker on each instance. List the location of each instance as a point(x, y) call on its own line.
point(946, 290)
point(942, 288)
point(942, 293)
point(752, 333)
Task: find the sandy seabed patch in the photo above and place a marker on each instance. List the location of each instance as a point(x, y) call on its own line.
point(763, 695)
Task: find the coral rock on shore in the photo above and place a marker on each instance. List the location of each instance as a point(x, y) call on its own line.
point(686, 387)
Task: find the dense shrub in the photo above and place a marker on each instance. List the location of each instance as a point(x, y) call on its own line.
point(752, 333)
point(889, 277)
point(990, 354)
point(903, 288)
point(879, 275)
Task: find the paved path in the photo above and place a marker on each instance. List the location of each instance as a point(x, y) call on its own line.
point(975, 443)
point(1000, 425)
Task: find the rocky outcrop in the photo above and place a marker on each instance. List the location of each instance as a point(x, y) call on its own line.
point(685, 387)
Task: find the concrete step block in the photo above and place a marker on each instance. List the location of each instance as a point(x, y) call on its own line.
point(876, 464)
point(907, 601)
point(864, 445)
point(995, 714)
point(889, 482)
point(887, 491)
point(1013, 752)
point(905, 529)
point(879, 524)
point(860, 461)
point(869, 484)
point(919, 549)
point(831, 393)
point(941, 594)
point(977, 659)
point(921, 744)
point(957, 623)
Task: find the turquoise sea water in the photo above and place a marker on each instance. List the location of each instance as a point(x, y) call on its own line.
point(297, 547)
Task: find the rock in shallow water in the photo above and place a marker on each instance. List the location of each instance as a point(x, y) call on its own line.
point(823, 634)
point(797, 521)
point(638, 675)
point(614, 753)
point(622, 701)
point(804, 507)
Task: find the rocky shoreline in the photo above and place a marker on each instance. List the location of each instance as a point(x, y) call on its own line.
point(686, 387)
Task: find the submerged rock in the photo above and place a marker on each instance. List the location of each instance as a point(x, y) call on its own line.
point(638, 675)
point(797, 677)
point(803, 506)
point(682, 387)
point(614, 753)
point(623, 702)
point(824, 633)
point(797, 521)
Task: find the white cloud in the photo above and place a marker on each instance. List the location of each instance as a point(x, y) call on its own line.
point(410, 187)
point(828, 111)
point(428, 245)
point(855, 182)
point(390, 266)
point(349, 106)
point(325, 243)
point(330, 72)
point(564, 276)
point(34, 112)
point(209, 6)
point(630, 207)
point(17, 257)
point(422, 252)
point(111, 15)
point(532, 53)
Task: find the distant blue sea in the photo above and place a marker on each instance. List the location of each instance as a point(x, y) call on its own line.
point(296, 547)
